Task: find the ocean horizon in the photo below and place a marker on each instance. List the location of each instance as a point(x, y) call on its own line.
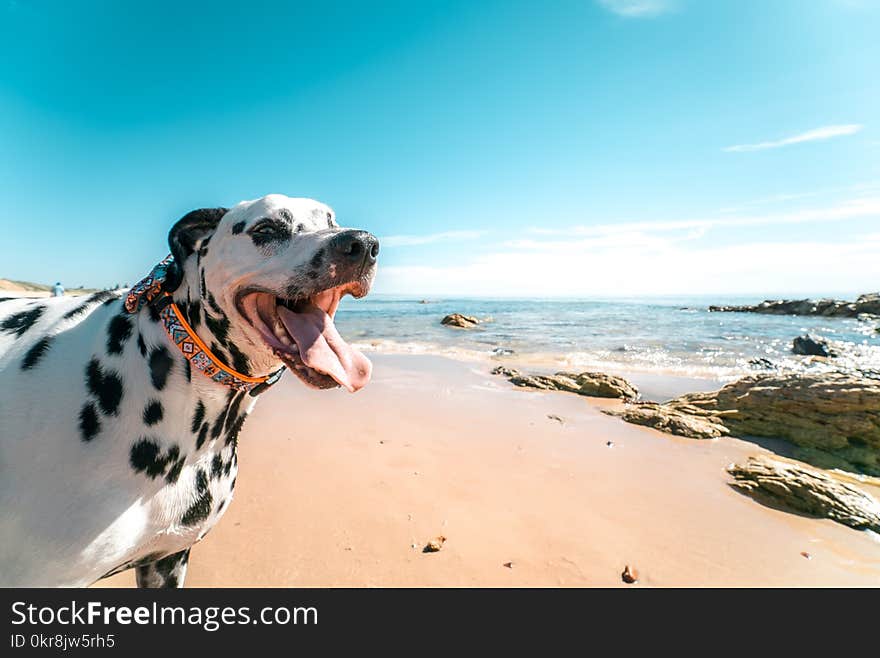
point(672, 335)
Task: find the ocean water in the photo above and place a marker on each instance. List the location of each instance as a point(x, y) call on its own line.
point(670, 336)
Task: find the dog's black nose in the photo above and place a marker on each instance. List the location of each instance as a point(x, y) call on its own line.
point(355, 246)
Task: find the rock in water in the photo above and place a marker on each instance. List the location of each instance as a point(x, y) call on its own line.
point(833, 417)
point(796, 487)
point(808, 345)
point(868, 303)
point(591, 384)
point(459, 320)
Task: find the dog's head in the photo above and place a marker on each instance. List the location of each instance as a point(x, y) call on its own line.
point(261, 283)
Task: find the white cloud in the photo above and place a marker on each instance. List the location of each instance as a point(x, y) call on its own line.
point(638, 8)
point(846, 210)
point(414, 240)
point(583, 270)
point(825, 132)
point(644, 258)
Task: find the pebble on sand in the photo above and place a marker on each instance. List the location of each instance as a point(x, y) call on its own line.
point(630, 575)
point(434, 545)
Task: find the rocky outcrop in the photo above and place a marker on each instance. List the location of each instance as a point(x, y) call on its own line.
point(808, 345)
point(690, 422)
point(591, 384)
point(869, 303)
point(459, 320)
point(834, 418)
point(795, 487)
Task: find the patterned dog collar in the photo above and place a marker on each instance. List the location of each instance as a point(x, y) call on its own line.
point(149, 290)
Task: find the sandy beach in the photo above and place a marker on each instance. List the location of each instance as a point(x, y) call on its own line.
point(345, 490)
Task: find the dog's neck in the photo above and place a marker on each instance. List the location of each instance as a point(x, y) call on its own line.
point(214, 326)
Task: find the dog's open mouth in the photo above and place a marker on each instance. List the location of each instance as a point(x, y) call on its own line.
point(302, 334)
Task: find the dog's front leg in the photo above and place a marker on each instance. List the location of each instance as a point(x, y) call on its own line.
point(168, 572)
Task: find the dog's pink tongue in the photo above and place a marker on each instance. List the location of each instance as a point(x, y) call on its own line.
point(322, 348)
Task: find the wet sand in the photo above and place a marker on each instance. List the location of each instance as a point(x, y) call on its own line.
point(345, 490)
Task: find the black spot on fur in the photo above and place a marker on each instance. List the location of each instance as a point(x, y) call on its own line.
point(104, 296)
point(220, 354)
point(312, 274)
point(146, 457)
point(217, 427)
point(36, 352)
point(142, 347)
point(154, 313)
point(194, 314)
point(232, 411)
point(153, 412)
point(20, 322)
point(239, 361)
point(198, 416)
point(235, 428)
point(218, 326)
point(216, 465)
point(174, 472)
point(221, 506)
point(318, 258)
point(201, 508)
point(89, 423)
point(118, 332)
point(106, 386)
point(160, 365)
point(187, 370)
point(237, 228)
point(7, 299)
point(204, 288)
point(203, 434)
point(212, 302)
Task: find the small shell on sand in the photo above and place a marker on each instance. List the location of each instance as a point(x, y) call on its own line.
point(509, 565)
point(630, 575)
point(434, 545)
point(806, 555)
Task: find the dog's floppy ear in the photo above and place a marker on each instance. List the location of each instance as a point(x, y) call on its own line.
point(182, 237)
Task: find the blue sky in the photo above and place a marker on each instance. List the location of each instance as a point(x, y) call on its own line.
point(519, 148)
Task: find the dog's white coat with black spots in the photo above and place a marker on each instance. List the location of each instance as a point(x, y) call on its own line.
point(114, 452)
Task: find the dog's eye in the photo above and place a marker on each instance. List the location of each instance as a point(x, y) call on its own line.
point(265, 229)
point(269, 231)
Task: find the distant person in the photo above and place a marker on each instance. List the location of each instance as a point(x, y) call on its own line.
point(58, 290)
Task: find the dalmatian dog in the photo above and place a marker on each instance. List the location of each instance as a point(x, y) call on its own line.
point(115, 452)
